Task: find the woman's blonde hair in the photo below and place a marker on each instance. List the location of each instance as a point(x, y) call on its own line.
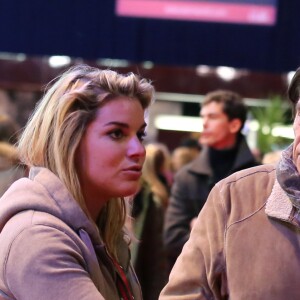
point(53, 132)
point(157, 162)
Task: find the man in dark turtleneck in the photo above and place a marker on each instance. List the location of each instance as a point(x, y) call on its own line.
point(224, 151)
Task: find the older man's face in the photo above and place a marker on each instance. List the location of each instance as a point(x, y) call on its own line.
point(296, 147)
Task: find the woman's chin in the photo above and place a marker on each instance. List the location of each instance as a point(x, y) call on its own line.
point(130, 191)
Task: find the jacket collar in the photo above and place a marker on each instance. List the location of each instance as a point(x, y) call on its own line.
point(278, 204)
point(201, 164)
point(244, 154)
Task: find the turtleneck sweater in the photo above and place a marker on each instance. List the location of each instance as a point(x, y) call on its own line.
point(221, 162)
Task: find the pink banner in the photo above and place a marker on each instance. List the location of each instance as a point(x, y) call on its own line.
point(199, 11)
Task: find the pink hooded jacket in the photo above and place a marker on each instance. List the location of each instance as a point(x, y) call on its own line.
point(50, 249)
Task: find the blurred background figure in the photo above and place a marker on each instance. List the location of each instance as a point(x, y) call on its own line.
point(187, 151)
point(147, 250)
point(157, 171)
point(10, 168)
point(148, 208)
point(8, 129)
point(257, 154)
point(271, 157)
point(224, 151)
point(180, 157)
point(193, 144)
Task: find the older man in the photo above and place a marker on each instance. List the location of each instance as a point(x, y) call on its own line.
point(246, 240)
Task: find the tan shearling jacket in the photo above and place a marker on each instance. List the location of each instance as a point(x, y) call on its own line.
point(245, 244)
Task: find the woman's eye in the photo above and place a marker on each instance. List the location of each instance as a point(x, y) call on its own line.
point(141, 135)
point(116, 134)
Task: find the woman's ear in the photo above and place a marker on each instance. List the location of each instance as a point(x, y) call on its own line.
point(235, 125)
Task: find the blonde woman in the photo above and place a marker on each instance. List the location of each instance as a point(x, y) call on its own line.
point(62, 229)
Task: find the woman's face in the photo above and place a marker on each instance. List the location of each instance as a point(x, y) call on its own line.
point(111, 154)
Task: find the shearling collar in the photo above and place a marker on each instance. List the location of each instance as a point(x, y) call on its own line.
point(278, 204)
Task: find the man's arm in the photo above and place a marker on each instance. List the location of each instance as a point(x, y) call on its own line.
point(199, 272)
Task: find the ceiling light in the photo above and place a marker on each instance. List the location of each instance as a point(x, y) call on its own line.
point(57, 61)
point(178, 123)
point(226, 73)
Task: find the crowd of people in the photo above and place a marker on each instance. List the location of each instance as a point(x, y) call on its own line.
point(89, 211)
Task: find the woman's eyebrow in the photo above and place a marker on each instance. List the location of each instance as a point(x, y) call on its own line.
point(122, 124)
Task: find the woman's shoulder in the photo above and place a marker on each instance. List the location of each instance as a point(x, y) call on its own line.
point(30, 224)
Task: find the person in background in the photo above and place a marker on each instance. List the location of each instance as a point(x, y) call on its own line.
point(180, 157)
point(224, 151)
point(184, 153)
point(246, 241)
point(271, 157)
point(148, 209)
point(147, 250)
point(157, 170)
point(9, 129)
point(10, 167)
point(62, 229)
point(193, 144)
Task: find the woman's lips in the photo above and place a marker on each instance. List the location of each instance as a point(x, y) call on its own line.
point(134, 172)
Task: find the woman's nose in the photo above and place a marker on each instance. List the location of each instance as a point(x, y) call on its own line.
point(136, 148)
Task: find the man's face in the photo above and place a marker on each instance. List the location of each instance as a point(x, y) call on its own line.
point(218, 131)
point(296, 146)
